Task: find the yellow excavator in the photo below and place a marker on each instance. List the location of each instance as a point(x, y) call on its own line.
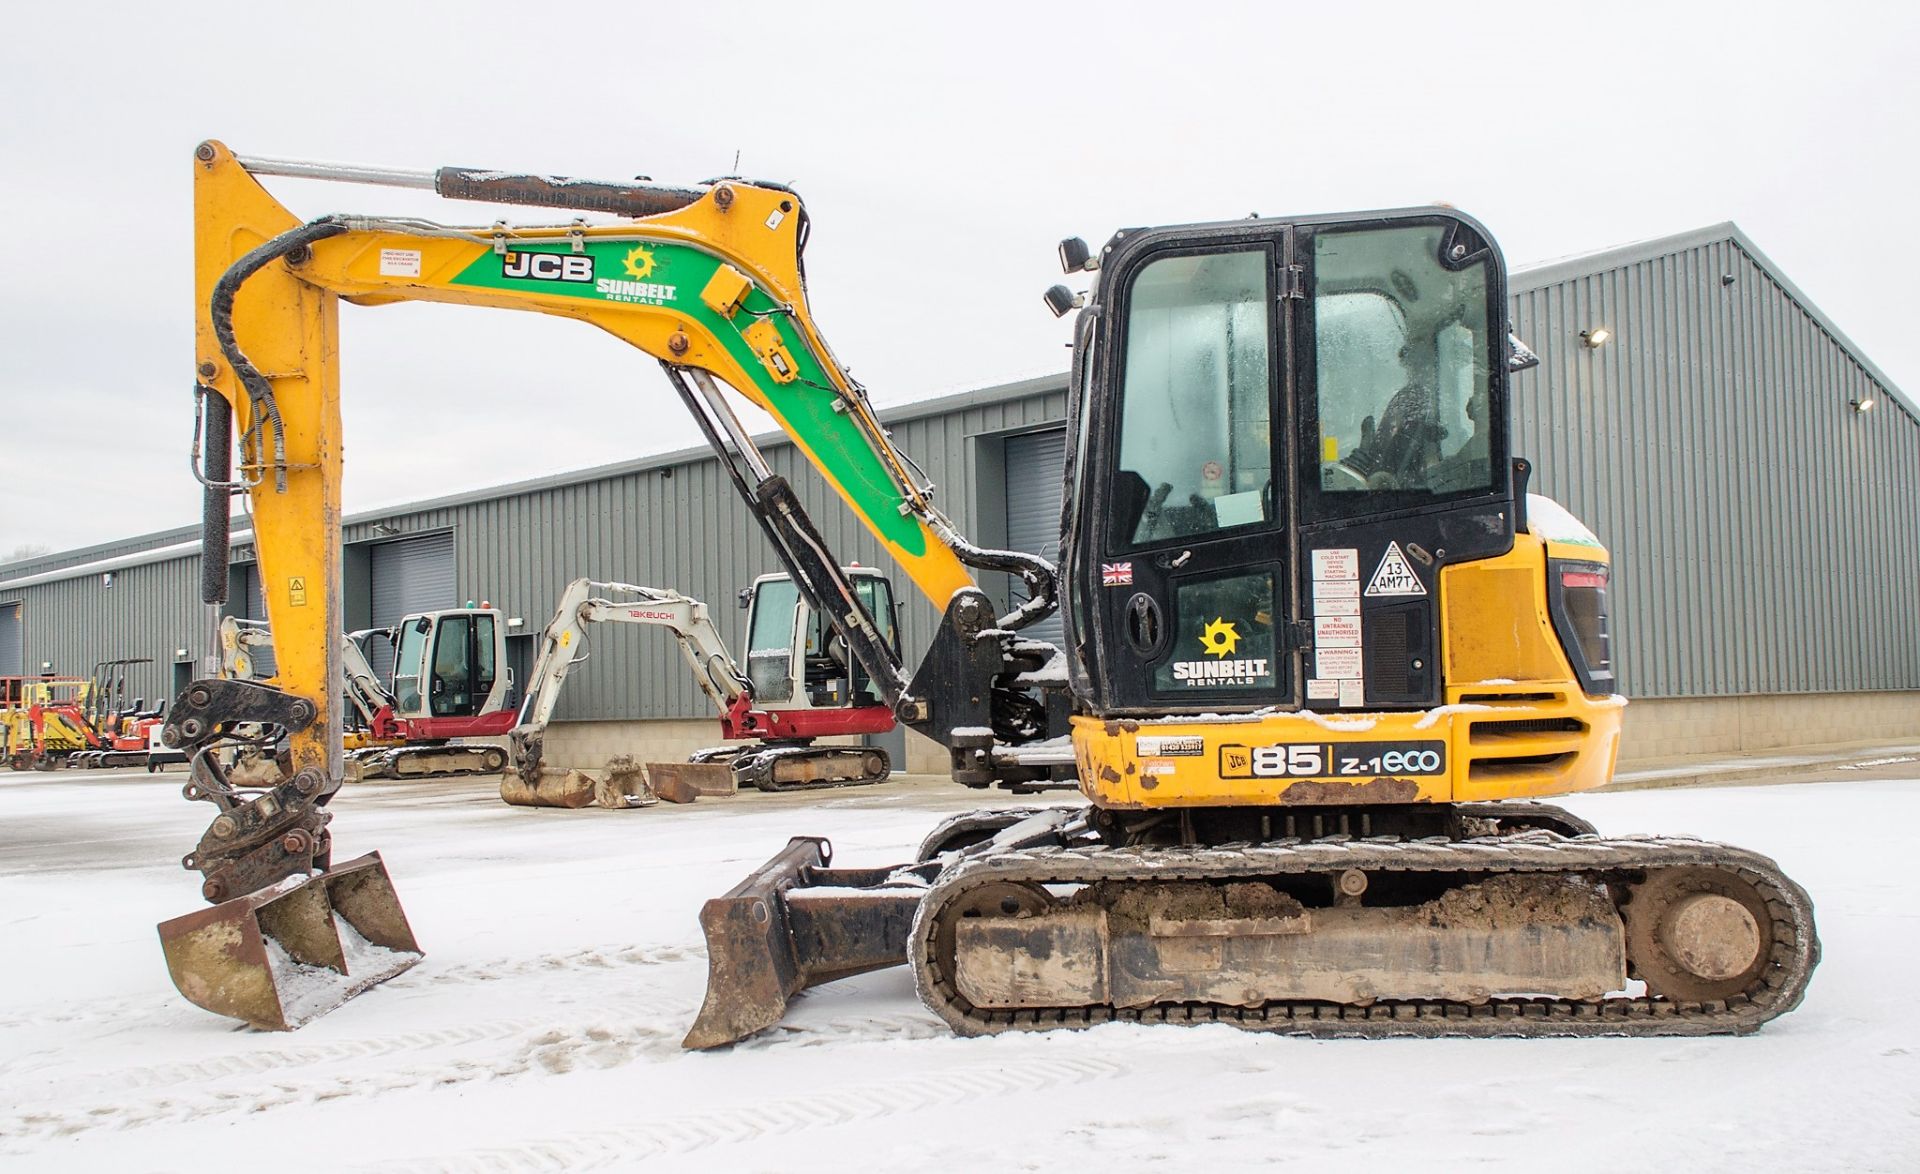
point(1323, 649)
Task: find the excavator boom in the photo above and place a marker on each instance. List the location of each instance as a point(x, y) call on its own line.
point(705, 280)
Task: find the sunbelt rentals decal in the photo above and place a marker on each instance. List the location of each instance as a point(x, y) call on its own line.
point(1220, 639)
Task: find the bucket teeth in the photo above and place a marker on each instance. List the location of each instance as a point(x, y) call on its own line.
point(287, 954)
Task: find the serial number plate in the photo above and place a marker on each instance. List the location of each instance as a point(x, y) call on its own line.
point(1301, 760)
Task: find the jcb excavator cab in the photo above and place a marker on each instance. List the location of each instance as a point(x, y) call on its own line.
point(794, 658)
point(450, 664)
point(1303, 423)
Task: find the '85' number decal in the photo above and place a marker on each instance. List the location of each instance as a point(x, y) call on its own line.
point(1301, 760)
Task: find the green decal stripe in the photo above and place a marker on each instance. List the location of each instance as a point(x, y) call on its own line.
point(666, 274)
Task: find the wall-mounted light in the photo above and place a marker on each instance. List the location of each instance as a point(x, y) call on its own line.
point(106, 580)
point(1595, 338)
point(46, 666)
point(515, 622)
point(385, 529)
point(1862, 405)
point(179, 654)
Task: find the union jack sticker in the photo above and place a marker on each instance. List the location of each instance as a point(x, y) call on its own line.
point(1116, 574)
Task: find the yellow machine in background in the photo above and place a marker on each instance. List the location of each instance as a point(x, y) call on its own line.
point(1320, 638)
point(43, 720)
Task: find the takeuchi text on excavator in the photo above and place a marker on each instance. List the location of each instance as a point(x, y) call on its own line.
point(1321, 646)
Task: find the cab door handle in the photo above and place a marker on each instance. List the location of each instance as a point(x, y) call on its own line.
point(1144, 627)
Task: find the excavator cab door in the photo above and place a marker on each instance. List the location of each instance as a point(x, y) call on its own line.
point(794, 658)
point(1194, 573)
point(447, 664)
point(1289, 428)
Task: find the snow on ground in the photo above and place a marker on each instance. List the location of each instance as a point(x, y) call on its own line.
point(564, 962)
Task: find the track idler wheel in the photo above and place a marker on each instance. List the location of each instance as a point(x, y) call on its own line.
point(1697, 934)
point(998, 899)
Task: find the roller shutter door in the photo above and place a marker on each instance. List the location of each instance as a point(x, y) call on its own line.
point(1036, 464)
point(413, 575)
point(12, 642)
point(252, 605)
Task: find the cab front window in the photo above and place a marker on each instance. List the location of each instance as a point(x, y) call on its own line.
point(1402, 368)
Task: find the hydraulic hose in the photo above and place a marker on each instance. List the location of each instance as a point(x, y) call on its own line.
point(217, 503)
point(220, 310)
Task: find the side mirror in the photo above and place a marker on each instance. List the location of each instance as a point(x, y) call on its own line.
point(1075, 257)
point(745, 597)
point(1520, 356)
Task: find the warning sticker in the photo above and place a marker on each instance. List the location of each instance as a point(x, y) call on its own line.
point(297, 591)
point(1353, 694)
point(1338, 663)
point(1336, 588)
point(399, 262)
point(1336, 564)
point(1322, 690)
point(1336, 632)
point(1336, 597)
point(1394, 576)
point(1337, 607)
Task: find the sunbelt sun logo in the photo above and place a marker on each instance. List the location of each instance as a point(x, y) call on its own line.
point(638, 264)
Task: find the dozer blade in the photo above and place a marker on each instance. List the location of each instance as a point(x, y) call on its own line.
point(793, 924)
point(287, 954)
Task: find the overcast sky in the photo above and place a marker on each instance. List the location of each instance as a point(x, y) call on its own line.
point(940, 157)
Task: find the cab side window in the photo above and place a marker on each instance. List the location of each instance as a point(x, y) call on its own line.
point(1196, 435)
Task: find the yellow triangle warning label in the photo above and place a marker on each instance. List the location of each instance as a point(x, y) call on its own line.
point(1393, 576)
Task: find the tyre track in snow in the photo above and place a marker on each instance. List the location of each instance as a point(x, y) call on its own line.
point(692, 1133)
point(596, 959)
point(650, 1030)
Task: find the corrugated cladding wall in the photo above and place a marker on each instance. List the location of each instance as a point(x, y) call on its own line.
point(149, 611)
point(1766, 537)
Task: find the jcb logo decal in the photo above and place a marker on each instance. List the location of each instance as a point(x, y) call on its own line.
point(548, 266)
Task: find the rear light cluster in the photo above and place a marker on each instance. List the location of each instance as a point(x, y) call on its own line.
point(1577, 599)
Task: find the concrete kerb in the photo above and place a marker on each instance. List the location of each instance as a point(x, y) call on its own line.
point(1780, 766)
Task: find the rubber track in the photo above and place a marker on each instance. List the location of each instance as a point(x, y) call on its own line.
point(1777, 990)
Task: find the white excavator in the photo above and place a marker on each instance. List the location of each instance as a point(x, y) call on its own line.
point(799, 685)
point(449, 681)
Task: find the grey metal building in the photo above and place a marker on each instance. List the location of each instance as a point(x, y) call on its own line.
point(1756, 477)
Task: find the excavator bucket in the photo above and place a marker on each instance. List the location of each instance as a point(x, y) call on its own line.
point(624, 786)
point(289, 953)
point(795, 923)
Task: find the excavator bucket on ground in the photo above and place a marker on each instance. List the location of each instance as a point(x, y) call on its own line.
point(795, 923)
point(289, 953)
point(624, 786)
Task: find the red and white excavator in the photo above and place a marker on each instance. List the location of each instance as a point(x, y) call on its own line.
point(799, 685)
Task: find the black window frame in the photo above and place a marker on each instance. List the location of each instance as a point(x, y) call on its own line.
point(1272, 248)
point(1318, 506)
